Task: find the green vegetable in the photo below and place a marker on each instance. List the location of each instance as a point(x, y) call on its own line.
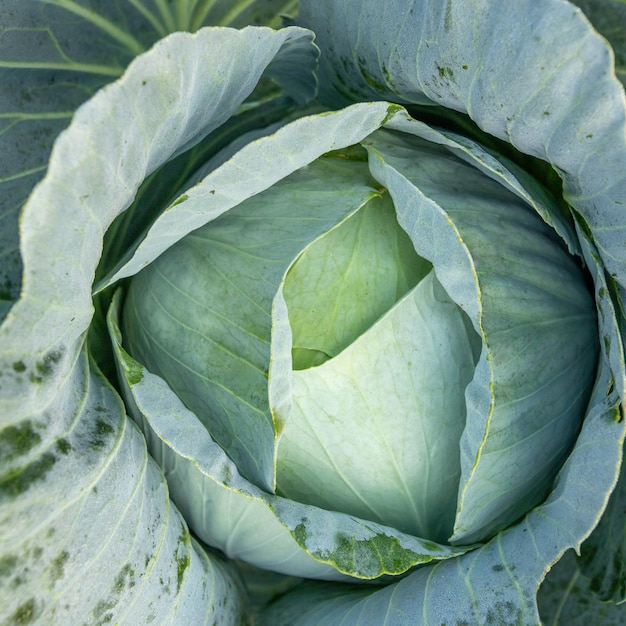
point(341, 300)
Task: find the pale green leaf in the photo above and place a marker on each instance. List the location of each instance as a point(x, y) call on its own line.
point(64, 430)
point(494, 584)
point(347, 279)
point(265, 530)
point(207, 329)
point(375, 430)
point(527, 297)
point(534, 74)
point(250, 171)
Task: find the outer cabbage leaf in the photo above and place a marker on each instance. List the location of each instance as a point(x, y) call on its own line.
point(70, 459)
point(305, 140)
point(609, 17)
point(528, 299)
point(114, 527)
point(496, 583)
point(535, 75)
point(54, 55)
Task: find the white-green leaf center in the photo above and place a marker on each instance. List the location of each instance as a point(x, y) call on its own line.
point(347, 279)
point(374, 429)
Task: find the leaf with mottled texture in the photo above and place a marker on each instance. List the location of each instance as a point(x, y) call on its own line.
point(496, 583)
point(535, 75)
point(82, 503)
point(54, 55)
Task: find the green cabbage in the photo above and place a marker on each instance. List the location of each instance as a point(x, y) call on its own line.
point(288, 308)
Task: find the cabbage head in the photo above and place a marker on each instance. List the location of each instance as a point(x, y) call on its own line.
point(314, 319)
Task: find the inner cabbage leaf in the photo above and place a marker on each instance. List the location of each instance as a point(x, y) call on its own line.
point(375, 431)
point(347, 279)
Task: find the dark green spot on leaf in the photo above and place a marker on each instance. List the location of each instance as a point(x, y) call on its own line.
point(58, 565)
point(132, 369)
point(100, 435)
point(16, 483)
point(17, 441)
point(64, 446)
point(445, 72)
point(45, 367)
point(7, 565)
point(182, 558)
point(26, 613)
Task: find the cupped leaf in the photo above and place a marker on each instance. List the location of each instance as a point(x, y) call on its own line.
point(200, 315)
point(250, 172)
point(502, 170)
point(285, 78)
point(375, 430)
point(528, 299)
point(496, 583)
point(536, 75)
point(347, 279)
point(54, 55)
point(83, 507)
point(609, 17)
point(70, 457)
point(168, 182)
point(246, 523)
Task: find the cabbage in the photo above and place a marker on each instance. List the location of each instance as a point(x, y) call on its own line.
point(288, 308)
